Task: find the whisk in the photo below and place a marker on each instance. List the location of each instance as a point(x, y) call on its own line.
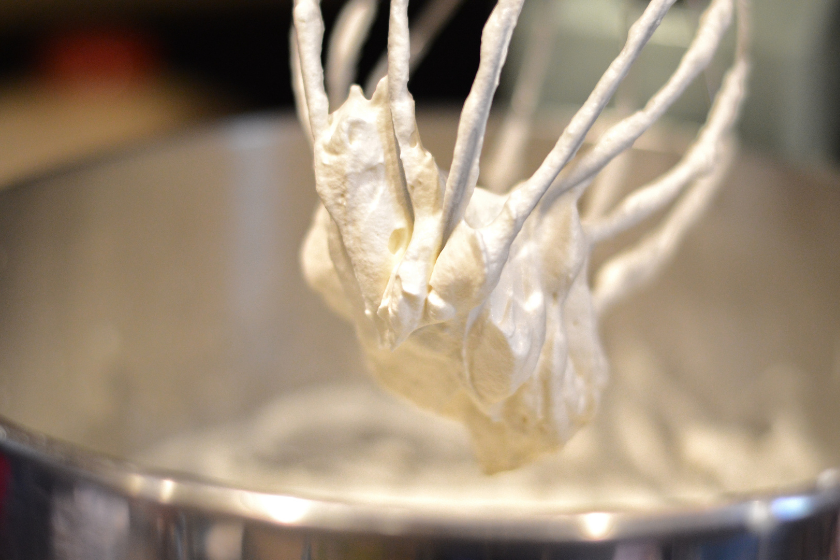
point(476, 303)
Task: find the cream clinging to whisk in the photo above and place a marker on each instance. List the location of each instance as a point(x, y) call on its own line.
point(476, 304)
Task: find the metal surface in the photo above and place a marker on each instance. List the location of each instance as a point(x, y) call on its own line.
point(159, 292)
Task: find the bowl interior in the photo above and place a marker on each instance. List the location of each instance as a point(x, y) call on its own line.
point(152, 304)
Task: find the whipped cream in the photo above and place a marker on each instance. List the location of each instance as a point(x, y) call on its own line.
point(655, 446)
point(467, 302)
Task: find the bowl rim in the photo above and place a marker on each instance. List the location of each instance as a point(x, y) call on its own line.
point(756, 513)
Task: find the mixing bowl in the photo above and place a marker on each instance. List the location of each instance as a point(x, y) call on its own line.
point(152, 300)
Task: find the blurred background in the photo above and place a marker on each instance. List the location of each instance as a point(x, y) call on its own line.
point(80, 78)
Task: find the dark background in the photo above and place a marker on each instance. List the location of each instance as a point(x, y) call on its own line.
point(241, 50)
point(234, 56)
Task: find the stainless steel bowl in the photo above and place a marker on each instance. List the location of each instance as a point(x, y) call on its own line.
point(158, 292)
